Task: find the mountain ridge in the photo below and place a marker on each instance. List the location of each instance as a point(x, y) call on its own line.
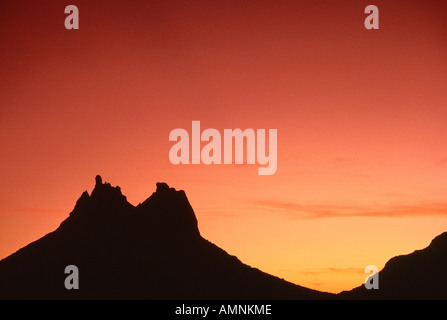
point(150, 251)
point(154, 250)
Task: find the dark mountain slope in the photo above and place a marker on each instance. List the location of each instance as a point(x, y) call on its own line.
point(419, 275)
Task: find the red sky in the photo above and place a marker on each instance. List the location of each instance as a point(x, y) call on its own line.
point(362, 157)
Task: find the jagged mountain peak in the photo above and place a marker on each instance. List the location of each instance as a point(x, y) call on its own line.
point(105, 199)
point(166, 212)
point(170, 209)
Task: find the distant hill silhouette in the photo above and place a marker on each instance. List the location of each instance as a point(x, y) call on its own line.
point(151, 251)
point(419, 275)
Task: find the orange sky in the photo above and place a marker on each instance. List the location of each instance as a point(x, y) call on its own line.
point(362, 157)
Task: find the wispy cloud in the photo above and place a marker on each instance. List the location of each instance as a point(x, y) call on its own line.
point(330, 211)
point(317, 271)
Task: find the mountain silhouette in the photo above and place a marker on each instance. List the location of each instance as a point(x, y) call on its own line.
point(418, 275)
point(155, 251)
point(150, 251)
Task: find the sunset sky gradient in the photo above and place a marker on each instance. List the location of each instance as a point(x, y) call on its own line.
point(361, 118)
